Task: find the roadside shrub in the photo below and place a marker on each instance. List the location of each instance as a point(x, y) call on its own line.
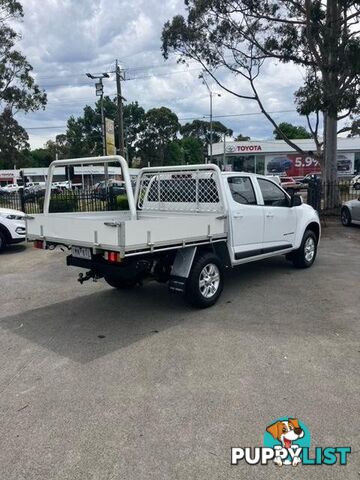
point(66, 203)
point(122, 202)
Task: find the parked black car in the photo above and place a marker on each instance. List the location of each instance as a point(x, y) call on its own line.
point(114, 189)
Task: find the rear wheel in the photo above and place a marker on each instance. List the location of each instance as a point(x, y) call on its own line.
point(2, 242)
point(205, 282)
point(345, 217)
point(357, 186)
point(121, 284)
point(305, 256)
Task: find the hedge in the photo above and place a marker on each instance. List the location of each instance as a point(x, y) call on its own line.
point(122, 202)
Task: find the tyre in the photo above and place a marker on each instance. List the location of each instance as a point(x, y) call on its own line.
point(305, 256)
point(205, 282)
point(357, 186)
point(121, 284)
point(345, 217)
point(3, 242)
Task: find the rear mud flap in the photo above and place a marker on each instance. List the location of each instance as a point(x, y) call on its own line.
point(177, 284)
point(181, 269)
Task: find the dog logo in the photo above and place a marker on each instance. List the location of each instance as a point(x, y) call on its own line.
point(286, 432)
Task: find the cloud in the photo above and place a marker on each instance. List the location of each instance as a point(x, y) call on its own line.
point(64, 39)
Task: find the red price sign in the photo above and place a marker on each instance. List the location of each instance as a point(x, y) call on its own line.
point(302, 165)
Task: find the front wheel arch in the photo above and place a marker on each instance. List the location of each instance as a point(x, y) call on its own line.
point(314, 227)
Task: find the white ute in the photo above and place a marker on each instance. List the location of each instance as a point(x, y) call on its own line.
point(185, 226)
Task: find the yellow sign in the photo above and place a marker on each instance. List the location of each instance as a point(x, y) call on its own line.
point(110, 136)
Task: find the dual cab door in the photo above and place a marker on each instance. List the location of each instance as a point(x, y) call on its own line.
point(261, 219)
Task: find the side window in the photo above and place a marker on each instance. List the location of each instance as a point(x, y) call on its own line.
point(272, 195)
point(242, 190)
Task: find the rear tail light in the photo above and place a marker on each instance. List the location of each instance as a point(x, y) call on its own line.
point(112, 257)
point(39, 244)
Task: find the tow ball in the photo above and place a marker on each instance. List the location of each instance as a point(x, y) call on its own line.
point(90, 274)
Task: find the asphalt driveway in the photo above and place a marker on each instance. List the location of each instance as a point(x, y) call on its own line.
point(99, 384)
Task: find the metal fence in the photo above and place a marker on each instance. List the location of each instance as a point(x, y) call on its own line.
point(65, 201)
point(183, 194)
point(328, 197)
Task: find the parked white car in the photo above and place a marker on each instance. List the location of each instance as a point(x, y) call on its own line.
point(12, 227)
point(35, 185)
point(11, 188)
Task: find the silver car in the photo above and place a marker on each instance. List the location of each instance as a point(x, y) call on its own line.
point(350, 212)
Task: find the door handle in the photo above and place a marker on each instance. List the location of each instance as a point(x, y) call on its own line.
point(269, 215)
point(238, 215)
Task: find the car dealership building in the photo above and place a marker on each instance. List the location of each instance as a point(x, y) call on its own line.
point(276, 157)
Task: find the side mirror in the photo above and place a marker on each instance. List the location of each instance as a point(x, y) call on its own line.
point(295, 200)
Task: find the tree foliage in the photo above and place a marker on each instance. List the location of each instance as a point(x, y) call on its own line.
point(158, 130)
point(84, 133)
point(153, 136)
point(12, 139)
point(241, 138)
point(193, 150)
point(18, 89)
point(292, 131)
point(200, 129)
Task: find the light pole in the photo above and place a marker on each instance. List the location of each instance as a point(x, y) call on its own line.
point(211, 93)
point(100, 93)
point(224, 154)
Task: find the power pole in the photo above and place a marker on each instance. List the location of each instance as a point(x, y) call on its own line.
point(211, 94)
point(120, 111)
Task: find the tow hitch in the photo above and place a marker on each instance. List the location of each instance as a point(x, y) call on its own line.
point(90, 274)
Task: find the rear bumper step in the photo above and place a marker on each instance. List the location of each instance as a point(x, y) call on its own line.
point(104, 269)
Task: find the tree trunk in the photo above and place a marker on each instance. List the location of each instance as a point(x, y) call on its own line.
point(329, 169)
point(330, 186)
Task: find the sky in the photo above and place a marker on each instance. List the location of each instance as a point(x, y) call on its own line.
point(64, 39)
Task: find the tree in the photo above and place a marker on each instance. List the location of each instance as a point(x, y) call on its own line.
point(77, 142)
point(18, 90)
point(243, 35)
point(133, 119)
point(193, 150)
point(41, 157)
point(174, 154)
point(200, 129)
point(84, 134)
point(12, 139)
point(241, 138)
point(58, 148)
point(292, 132)
point(158, 129)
